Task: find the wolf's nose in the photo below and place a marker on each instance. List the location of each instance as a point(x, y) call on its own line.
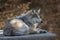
point(41, 21)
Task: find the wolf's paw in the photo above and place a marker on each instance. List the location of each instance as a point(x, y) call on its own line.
point(41, 31)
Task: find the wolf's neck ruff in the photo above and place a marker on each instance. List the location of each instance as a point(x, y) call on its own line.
point(26, 21)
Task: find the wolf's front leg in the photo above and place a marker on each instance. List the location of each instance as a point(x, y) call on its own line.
point(41, 31)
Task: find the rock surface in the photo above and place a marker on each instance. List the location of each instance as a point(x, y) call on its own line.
point(44, 36)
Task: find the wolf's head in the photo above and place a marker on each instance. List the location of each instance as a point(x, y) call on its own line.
point(34, 17)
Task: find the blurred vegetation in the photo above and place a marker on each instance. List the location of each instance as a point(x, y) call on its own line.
point(50, 12)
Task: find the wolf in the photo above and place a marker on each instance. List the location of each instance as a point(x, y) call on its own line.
point(24, 24)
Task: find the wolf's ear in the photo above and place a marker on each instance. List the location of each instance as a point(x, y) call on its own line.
point(38, 11)
point(29, 11)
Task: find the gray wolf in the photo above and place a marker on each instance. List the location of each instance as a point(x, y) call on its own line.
point(24, 24)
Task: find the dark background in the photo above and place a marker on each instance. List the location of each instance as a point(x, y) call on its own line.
point(50, 12)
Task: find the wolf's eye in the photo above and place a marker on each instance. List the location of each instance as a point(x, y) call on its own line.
point(35, 15)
